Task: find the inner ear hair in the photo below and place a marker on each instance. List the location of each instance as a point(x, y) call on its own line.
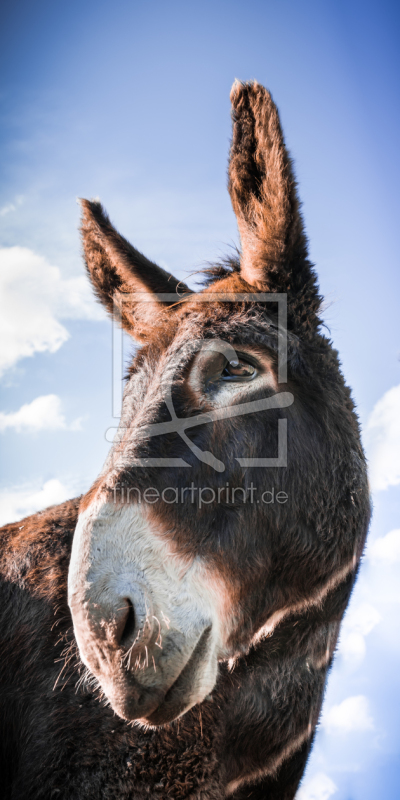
point(263, 191)
point(117, 270)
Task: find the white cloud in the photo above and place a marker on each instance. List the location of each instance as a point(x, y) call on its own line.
point(43, 413)
point(357, 624)
point(19, 502)
point(351, 714)
point(386, 548)
point(383, 441)
point(34, 297)
point(6, 209)
point(12, 206)
point(319, 787)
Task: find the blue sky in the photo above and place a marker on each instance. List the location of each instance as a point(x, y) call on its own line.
point(129, 101)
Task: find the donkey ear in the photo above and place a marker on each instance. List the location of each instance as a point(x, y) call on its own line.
point(264, 197)
point(117, 270)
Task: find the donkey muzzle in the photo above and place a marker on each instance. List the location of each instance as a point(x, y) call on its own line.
point(139, 630)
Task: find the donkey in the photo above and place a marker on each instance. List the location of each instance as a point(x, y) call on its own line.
point(169, 634)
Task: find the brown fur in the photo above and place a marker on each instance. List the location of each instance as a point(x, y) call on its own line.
point(117, 270)
point(264, 197)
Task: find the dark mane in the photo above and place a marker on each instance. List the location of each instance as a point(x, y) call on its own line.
point(223, 268)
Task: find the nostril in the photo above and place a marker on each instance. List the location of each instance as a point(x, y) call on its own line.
point(127, 625)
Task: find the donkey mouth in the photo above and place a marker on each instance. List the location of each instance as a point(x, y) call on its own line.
point(186, 690)
point(153, 705)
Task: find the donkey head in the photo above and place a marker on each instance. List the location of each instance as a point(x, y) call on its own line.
point(214, 515)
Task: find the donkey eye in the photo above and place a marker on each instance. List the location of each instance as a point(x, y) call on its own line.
point(240, 370)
